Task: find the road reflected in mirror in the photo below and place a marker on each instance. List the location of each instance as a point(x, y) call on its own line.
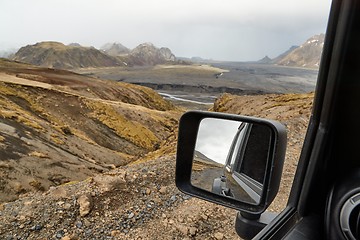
point(230, 158)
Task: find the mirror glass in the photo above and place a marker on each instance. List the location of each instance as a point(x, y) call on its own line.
point(231, 157)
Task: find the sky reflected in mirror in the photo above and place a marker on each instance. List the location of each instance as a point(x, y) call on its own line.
point(215, 137)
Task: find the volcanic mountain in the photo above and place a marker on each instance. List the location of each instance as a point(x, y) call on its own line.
point(74, 56)
point(307, 55)
point(115, 49)
point(148, 54)
point(60, 56)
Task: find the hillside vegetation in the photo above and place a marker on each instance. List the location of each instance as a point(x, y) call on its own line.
point(136, 200)
point(57, 126)
point(85, 158)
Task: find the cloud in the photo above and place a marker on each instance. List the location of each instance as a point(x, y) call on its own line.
point(228, 30)
point(215, 137)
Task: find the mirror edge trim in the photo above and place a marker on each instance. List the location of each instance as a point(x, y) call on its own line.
point(188, 129)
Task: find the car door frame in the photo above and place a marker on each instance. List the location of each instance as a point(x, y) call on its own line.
point(303, 218)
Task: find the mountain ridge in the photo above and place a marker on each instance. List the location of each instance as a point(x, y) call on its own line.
point(148, 54)
point(307, 55)
point(60, 56)
point(57, 55)
point(115, 49)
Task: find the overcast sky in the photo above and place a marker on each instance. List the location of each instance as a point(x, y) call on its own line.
point(215, 137)
point(216, 29)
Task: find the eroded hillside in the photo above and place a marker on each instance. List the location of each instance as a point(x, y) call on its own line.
point(307, 55)
point(60, 56)
point(74, 124)
point(57, 126)
point(135, 201)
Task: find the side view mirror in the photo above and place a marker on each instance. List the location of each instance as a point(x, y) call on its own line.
point(231, 160)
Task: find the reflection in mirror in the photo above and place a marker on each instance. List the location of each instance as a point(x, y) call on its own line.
point(230, 158)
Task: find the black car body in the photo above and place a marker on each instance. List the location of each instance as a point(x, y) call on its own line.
point(241, 176)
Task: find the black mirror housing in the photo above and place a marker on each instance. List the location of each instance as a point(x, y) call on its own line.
point(188, 132)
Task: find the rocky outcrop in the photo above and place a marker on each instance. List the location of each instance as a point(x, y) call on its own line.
point(148, 54)
point(284, 54)
point(167, 54)
point(307, 55)
point(115, 49)
point(265, 60)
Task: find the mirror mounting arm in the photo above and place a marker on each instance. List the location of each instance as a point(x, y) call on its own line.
point(247, 225)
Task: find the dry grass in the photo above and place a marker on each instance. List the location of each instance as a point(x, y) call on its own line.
point(295, 100)
point(10, 110)
point(38, 154)
point(130, 130)
point(20, 116)
point(36, 184)
point(56, 139)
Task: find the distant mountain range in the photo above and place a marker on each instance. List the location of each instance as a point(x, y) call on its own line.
point(72, 56)
point(60, 56)
point(306, 55)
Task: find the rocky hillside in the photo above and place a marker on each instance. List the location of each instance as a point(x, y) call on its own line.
point(60, 56)
point(115, 49)
point(148, 54)
point(135, 201)
point(57, 126)
point(73, 56)
point(283, 55)
point(307, 55)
